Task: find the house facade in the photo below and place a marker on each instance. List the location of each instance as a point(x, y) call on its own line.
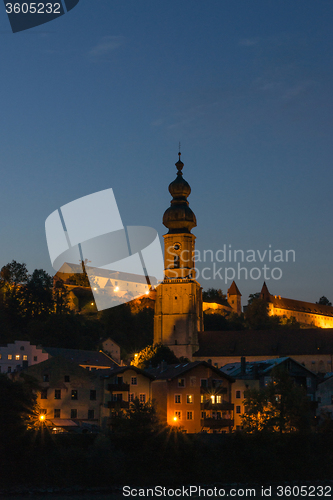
point(196, 397)
point(20, 354)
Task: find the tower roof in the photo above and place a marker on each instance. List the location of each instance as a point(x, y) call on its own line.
point(233, 290)
point(179, 218)
point(264, 294)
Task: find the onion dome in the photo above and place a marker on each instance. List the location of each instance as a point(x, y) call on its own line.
point(179, 218)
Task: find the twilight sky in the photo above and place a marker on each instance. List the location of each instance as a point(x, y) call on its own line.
point(101, 97)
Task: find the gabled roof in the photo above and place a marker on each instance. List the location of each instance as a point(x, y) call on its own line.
point(123, 369)
point(169, 372)
point(233, 290)
point(82, 357)
point(58, 366)
point(260, 368)
point(265, 343)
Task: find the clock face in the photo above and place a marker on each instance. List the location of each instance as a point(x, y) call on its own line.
point(177, 246)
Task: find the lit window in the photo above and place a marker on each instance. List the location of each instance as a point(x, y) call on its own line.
point(189, 398)
point(202, 399)
point(73, 413)
point(25, 357)
point(57, 413)
point(189, 415)
point(177, 398)
point(17, 357)
point(134, 381)
point(238, 394)
point(178, 415)
point(238, 409)
point(57, 394)
point(181, 382)
point(74, 394)
point(10, 356)
point(0, 356)
point(212, 398)
point(218, 400)
point(142, 398)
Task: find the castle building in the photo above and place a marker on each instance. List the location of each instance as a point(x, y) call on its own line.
point(178, 306)
point(306, 313)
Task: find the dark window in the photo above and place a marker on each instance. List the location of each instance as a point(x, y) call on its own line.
point(73, 413)
point(56, 413)
point(134, 381)
point(9, 369)
point(238, 394)
point(22, 348)
point(74, 394)
point(204, 382)
point(117, 397)
point(45, 378)
point(35, 358)
point(43, 394)
point(67, 379)
point(177, 398)
point(119, 380)
point(238, 409)
point(181, 382)
point(57, 394)
point(176, 261)
point(93, 395)
point(91, 414)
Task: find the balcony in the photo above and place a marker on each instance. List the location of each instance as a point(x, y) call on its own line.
point(224, 406)
point(211, 389)
point(216, 423)
point(118, 387)
point(118, 405)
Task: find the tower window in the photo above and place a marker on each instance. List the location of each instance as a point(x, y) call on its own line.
point(176, 262)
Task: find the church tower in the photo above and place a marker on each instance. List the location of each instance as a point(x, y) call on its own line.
point(178, 307)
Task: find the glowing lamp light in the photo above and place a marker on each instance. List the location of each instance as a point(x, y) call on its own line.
point(41, 417)
point(116, 289)
point(175, 419)
point(95, 288)
point(92, 303)
point(147, 292)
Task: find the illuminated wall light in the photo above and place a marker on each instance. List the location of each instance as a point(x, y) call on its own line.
point(116, 289)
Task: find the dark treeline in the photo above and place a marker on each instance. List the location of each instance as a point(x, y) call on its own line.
point(33, 308)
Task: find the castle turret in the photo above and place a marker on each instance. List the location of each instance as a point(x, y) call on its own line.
point(234, 298)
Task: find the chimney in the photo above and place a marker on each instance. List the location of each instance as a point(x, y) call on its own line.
point(243, 365)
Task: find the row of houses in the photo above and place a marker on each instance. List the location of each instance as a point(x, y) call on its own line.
point(82, 390)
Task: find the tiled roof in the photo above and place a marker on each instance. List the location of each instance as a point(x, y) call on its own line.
point(122, 369)
point(233, 290)
point(169, 372)
point(265, 342)
point(81, 357)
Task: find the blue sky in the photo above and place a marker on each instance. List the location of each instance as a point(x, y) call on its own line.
point(101, 97)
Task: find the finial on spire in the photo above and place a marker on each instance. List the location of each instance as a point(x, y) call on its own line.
point(179, 163)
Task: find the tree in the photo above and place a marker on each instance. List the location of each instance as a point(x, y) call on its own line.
point(153, 355)
point(252, 297)
point(214, 295)
point(324, 301)
point(257, 316)
point(282, 406)
point(38, 295)
point(18, 408)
